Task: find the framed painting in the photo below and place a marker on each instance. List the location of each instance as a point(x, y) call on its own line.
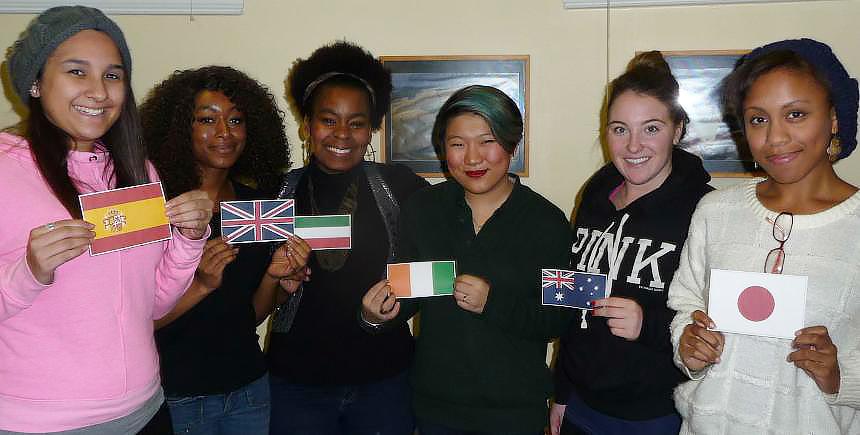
point(700, 75)
point(421, 84)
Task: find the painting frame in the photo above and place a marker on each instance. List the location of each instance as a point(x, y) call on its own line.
point(421, 84)
point(699, 74)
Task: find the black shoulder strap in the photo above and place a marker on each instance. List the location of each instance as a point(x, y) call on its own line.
point(291, 181)
point(387, 203)
point(282, 318)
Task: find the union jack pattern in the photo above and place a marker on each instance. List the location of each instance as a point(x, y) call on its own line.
point(557, 278)
point(257, 221)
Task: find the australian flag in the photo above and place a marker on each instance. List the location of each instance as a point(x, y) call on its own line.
point(566, 288)
point(257, 221)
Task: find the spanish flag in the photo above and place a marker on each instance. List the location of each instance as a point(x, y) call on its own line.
point(126, 217)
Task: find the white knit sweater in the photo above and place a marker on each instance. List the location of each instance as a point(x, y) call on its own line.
point(753, 390)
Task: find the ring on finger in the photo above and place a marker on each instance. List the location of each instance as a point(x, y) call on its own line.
point(50, 226)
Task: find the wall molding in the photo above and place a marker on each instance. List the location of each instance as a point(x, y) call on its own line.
point(593, 4)
point(131, 7)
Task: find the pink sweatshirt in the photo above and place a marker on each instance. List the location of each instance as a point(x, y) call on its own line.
point(79, 351)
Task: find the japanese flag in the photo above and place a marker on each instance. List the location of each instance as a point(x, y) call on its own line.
point(762, 304)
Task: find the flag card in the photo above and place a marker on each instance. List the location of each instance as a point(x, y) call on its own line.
point(325, 231)
point(421, 279)
point(257, 221)
point(763, 304)
point(567, 288)
point(126, 217)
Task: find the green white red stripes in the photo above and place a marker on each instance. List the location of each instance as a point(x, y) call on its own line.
point(325, 232)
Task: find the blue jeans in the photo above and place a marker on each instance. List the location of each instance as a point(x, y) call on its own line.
point(426, 428)
point(581, 419)
point(379, 408)
point(244, 411)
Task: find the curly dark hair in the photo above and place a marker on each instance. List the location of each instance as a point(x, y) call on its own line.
point(167, 115)
point(356, 67)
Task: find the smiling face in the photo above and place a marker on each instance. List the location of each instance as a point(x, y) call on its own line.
point(83, 87)
point(475, 158)
point(788, 122)
point(640, 134)
point(339, 127)
point(218, 131)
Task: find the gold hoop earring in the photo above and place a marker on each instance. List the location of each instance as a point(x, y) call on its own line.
point(834, 148)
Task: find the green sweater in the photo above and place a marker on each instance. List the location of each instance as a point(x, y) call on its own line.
point(485, 371)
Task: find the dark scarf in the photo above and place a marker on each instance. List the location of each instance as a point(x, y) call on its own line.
point(333, 259)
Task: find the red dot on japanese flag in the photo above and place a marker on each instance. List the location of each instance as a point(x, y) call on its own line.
point(756, 303)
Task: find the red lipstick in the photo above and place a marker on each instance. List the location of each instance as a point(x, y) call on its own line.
point(476, 174)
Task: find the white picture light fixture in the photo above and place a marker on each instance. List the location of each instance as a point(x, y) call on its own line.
point(594, 4)
point(131, 7)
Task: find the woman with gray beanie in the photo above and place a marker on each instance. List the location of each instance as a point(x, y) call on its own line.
point(796, 106)
point(77, 353)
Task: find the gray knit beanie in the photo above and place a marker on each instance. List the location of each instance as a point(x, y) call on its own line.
point(46, 32)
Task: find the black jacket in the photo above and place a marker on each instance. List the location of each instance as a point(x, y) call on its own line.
point(326, 345)
point(631, 380)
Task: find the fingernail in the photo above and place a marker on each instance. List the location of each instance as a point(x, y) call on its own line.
point(717, 361)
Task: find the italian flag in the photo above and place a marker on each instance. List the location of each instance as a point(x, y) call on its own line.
point(421, 279)
point(325, 232)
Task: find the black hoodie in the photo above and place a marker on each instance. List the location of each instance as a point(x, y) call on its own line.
point(632, 380)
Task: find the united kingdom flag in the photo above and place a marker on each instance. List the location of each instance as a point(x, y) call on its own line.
point(566, 288)
point(257, 221)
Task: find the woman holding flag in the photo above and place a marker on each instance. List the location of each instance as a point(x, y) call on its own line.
point(614, 373)
point(328, 376)
point(214, 128)
point(77, 352)
point(480, 363)
point(796, 106)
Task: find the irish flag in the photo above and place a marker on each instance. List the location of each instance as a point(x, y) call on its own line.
point(420, 279)
point(126, 217)
point(325, 232)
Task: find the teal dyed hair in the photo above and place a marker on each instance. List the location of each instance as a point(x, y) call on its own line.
point(498, 109)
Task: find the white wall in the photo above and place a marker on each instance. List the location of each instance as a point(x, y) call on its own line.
point(568, 51)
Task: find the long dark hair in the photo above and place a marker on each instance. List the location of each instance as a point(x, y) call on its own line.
point(168, 114)
point(49, 146)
